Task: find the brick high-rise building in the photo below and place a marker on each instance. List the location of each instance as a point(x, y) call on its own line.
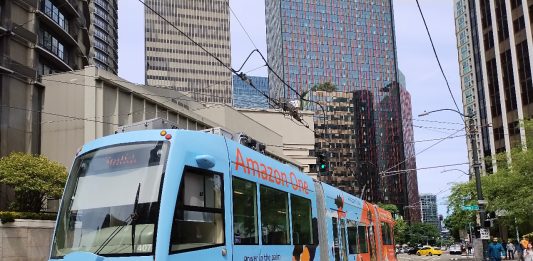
point(495, 46)
point(173, 60)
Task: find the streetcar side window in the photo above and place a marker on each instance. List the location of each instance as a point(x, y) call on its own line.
point(361, 239)
point(352, 237)
point(301, 221)
point(199, 214)
point(244, 212)
point(274, 216)
point(386, 233)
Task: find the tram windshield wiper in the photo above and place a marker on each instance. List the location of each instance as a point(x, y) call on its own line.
point(131, 220)
point(134, 217)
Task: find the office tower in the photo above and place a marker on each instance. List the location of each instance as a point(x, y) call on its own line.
point(350, 44)
point(409, 177)
point(494, 43)
point(104, 36)
point(173, 60)
point(429, 209)
point(246, 97)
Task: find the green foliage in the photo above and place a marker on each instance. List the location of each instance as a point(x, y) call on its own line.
point(508, 190)
point(461, 195)
point(34, 178)
point(6, 217)
point(326, 87)
point(400, 231)
point(393, 209)
point(420, 233)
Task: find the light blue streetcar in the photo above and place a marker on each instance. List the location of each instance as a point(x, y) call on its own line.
point(190, 195)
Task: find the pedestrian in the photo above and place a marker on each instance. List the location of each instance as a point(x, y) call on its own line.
point(469, 248)
point(528, 253)
point(524, 242)
point(510, 249)
point(519, 250)
point(495, 250)
point(504, 245)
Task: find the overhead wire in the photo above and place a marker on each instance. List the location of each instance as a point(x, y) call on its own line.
point(422, 151)
point(437, 57)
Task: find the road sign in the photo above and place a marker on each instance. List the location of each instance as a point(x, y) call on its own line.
point(471, 208)
point(484, 233)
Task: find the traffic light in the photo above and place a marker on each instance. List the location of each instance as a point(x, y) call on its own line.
point(322, 163)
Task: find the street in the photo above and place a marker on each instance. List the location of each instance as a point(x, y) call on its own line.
point(445, 256)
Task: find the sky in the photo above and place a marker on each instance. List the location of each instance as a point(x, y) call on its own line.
point(415, 57)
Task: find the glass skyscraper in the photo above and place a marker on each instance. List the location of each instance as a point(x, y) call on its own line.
point(246, 97)
point(350, 44)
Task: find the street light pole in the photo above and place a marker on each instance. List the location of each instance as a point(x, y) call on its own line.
point(475, 165)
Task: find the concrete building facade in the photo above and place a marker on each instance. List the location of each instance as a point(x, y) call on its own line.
point(428, 205)
point(36, 38)
point(495, 43)
point(83, 105)
point(173, 60)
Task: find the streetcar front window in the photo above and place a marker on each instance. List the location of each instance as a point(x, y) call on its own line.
point(111, 202)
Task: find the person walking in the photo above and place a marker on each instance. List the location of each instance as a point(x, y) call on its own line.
point(510, 249)
point(524, 242)
point(519, 250)
point(495, 250)
point(528, 253)
point(504, 245)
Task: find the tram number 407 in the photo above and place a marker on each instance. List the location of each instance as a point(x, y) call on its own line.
point(143, 248)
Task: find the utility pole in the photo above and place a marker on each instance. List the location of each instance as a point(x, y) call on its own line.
point(476, 165)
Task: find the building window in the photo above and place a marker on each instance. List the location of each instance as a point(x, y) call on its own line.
point(50, 43)
point(488, 40)
point(100, 34)
point(274, 216)
point(485, 13)
point(199, 214)
point(53, 12)
point(519, 24)
point(524, 73)
point(501, 19)
point(494, 92)
point(508, 81)
point(100, 56)
point(515, 3)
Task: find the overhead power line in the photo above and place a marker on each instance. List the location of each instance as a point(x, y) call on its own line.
point(437, 57)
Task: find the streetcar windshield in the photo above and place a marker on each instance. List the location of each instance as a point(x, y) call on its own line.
point(111, 202)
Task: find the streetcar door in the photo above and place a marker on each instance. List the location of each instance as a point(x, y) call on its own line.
point(198, 231)
point(340, 246)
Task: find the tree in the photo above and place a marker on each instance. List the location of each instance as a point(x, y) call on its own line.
point(326, 87)
point(33, 178)
point(508, 190)
point(400, 231)
point(422, 233)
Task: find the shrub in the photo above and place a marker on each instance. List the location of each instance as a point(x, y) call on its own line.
point(33, 178)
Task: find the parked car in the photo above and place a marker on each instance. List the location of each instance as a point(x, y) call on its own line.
point(429, 251)
point(412, 250)
point(455, 250)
